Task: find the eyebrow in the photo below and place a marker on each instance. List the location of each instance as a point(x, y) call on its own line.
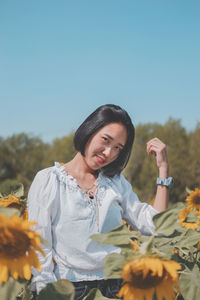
point(110, 137)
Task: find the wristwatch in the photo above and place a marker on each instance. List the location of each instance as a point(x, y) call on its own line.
point(168, 182)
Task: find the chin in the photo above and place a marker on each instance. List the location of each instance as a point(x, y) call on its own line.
point(94, 167)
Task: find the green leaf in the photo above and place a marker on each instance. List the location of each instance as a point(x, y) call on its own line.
point(191, 217)
point(59, 290)
point(19, 192)
point(166, 222)
point(189, 283)
point(113, 264)
point(188, 190)
point(10, 289)
point(118, 237)
point(147, 245)
point(95, 294)
point(162, 241)
point(8, 211)
point(25, 293)
point(189, 239)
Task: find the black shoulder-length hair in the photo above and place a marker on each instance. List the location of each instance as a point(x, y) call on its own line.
point(102, 116)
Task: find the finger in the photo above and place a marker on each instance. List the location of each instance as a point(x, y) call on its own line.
point(160, 145)
point(155, 142)
point(158, 149)
point(152, 149)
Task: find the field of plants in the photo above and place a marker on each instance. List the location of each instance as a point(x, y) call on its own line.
point(162, 266)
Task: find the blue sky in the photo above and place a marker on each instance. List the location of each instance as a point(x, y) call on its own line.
point(59, 60)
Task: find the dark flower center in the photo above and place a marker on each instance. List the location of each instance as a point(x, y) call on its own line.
point(148, 282)
point(196, 199)
point(14, 243)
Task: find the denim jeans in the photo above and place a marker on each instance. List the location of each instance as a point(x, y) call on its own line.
point(109, 288)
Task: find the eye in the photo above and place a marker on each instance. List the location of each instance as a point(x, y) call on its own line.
point(118, 148)
point(105, 139)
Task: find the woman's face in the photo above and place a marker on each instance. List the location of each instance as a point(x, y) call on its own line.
point(104, 145)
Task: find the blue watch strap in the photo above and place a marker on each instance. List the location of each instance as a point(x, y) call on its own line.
point(168, 182)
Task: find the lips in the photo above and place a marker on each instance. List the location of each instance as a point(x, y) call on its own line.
point(100, 159)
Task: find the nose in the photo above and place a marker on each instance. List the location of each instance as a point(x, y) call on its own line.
point(107, 152)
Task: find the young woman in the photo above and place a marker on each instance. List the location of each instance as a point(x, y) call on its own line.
point(89, 195)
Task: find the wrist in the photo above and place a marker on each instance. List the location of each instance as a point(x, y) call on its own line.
point(168, 182)
point(164, 171)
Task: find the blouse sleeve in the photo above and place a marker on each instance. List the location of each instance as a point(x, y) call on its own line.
point(136, 213)
point(41, 209)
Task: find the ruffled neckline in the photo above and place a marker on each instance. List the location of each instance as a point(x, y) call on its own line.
point(65, 177)
point(102, 182)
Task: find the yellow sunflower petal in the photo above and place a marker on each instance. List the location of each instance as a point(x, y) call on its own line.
point(190, 225)
point(27, 271)
point(149, 274)
point(193, 200)
point(172, 267)
point(165, 290)
point(17, 248)
point(183, 215)
point(3, 273)
point(34, 260)
point(155, 266)
point(14, 273)
point(149, 293)
point(126, 292)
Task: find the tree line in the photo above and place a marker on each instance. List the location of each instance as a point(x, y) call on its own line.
point(23, 155)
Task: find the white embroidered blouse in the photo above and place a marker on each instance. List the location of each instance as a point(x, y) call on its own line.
point(66, 218)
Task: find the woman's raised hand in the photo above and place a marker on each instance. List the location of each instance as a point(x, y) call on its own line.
point(158, 148)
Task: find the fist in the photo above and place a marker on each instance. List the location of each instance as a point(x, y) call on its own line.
point(158, 148)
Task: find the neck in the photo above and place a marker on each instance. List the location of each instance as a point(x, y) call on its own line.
point(79, 166)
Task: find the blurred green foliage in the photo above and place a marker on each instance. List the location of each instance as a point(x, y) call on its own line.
point(9, 186)
point(183, 157)
point(22, 156)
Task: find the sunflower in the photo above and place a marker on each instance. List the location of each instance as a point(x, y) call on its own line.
point(25, 214)
point(148, 275)
point(193, 200)
point(198, 246)
point(17, 248)
point(197, 213)
point(10, 201)
point(13, 202)
point(191, 225)
point(182, 217)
